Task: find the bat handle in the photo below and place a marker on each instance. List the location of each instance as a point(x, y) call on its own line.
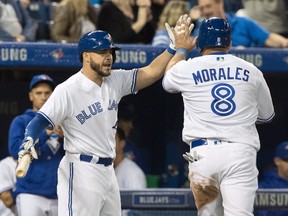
point(23, 166)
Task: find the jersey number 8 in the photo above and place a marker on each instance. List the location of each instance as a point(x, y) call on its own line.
point(223, 104)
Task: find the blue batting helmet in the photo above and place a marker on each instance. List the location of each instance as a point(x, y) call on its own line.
point(95, 41)
point(214, 32)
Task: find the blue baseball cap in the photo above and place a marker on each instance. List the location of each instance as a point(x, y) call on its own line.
point(282, 150)
point(42, 78)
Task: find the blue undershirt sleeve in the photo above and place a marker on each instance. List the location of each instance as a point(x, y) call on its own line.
point(36, 126)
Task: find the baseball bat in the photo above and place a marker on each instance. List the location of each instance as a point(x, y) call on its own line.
point(23, 166)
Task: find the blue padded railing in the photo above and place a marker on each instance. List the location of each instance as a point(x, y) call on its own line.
point(58, 55)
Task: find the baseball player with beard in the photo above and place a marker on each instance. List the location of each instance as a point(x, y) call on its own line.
point(224, 96)
point(86, 106)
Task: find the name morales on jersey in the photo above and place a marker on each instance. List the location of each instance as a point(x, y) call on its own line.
point(94, 109)
point(211, 74)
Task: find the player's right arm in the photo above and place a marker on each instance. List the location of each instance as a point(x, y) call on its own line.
point(32, 133)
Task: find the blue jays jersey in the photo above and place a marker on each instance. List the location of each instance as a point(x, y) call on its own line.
point(90, 113)
point(41, 178)
point(224, 96)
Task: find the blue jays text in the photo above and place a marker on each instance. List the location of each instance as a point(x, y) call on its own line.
point(93, 109)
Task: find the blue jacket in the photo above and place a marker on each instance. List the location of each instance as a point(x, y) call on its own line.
point(245, 32)
point(41, 178)
point(272, 180)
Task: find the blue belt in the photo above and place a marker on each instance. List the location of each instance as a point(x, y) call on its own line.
point(104, 161)
point(200, 142)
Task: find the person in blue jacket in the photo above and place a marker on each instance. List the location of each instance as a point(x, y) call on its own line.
point(38, 188)
point(276, 178)
point(245, 31)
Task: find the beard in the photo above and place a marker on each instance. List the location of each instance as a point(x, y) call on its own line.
point(96, 68)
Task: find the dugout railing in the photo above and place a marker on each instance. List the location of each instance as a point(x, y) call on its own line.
point(57, 55)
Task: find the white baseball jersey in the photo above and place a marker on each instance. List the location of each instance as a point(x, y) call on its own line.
point(88, 112)
point(223, 97)
point(7, 177)
point(7, 182)
point(130, 175)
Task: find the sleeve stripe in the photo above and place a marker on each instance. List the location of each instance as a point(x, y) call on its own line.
point(134, 81)
point(48, 119)
point(266, 120)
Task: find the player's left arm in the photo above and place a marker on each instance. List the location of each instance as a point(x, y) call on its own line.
point(265, 104)
point(156, 69)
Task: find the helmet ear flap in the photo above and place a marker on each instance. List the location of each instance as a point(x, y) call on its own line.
point(114, 56)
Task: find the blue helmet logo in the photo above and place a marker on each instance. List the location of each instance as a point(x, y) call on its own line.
point(214, 32)
point(95, 41)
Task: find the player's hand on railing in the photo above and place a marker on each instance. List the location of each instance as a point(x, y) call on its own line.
point(27, 147)
point(184, 18)
point(192, 157)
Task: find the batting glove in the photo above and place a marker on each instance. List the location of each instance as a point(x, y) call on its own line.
point(192, 158)
point(27, 147)
point(185, 18)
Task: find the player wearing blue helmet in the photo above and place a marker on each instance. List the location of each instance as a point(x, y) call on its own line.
point(224, 97)
point(214, 32)
point(95, 41)
point(86, 106)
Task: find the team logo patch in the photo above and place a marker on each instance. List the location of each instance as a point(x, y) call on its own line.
point(109, 38)
point(57, 54)
point(54, 145)
point(220, 59)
